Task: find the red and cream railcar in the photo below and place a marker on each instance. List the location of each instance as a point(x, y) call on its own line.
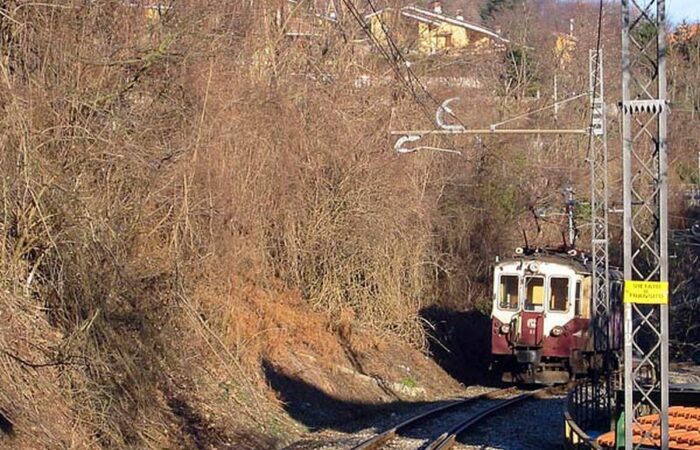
point(541, 318)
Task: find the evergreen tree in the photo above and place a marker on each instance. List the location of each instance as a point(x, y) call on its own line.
point(493, 6)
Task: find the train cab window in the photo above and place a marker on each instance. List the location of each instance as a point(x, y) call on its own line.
point(577, 299)
point(508, 292)
point(559, 294)
point(534, 294)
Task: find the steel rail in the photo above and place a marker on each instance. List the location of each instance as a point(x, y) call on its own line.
point(385, 436)
point(447, 440)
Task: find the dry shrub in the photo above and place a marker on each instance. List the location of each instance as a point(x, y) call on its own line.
point(33, 372)
point(140, 183)
point(177, 193)
point(304, 191)
point(97, 242)
point(259, 323)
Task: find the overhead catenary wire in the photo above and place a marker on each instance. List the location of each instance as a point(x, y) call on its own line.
point(512, 119)
point(394, 55)
point(544, 108)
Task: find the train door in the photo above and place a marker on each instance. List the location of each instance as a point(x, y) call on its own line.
point(532, 315)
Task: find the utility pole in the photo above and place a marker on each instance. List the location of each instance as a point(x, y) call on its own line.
point(556, 99)
point(645, 171)
point(570, 202)
point(598, 159)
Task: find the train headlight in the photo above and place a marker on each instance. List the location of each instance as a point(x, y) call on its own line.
point(534, 267)
point(695, 229)
point(557, 331)
point(505, 328)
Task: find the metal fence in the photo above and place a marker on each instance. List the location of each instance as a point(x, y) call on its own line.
point(575, 438)
point(589, 407)
point(692, 196)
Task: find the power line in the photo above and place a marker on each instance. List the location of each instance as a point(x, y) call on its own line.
point(409, 71)
point(395, 52)
point(358, 17)
point(600, 26)
point(390, 58)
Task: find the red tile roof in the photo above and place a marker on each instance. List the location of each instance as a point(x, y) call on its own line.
point(685, 33)
point(684, 430)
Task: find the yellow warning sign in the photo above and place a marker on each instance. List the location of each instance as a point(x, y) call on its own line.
point(647, 292)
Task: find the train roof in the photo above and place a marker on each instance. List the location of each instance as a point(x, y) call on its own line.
point(565, 260)
point(580, 262)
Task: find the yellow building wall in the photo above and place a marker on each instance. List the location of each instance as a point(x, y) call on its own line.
point(564, 49)
point(432, 39)
point(426, 40)
point(446, 36)
point(375, 27)
point(460, 37)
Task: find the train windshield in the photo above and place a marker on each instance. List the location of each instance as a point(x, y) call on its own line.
point(559, 294)
point(534, 294)
point(508, 292)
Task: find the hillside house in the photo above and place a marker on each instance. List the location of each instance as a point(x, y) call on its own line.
point(431, 31)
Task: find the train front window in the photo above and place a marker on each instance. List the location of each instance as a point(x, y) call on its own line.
point(508, 292)
point(534, 294)
point(558, 294)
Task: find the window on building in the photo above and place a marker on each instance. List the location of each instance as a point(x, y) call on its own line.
point(558, 294)
point(534, 294)
point(508, 292)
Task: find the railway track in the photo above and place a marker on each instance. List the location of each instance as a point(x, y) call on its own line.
point(448, 438)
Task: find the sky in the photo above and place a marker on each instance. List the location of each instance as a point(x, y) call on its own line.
point(683, 9)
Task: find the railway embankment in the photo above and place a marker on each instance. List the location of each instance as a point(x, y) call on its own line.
point(332, 398)
point(480, 418)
